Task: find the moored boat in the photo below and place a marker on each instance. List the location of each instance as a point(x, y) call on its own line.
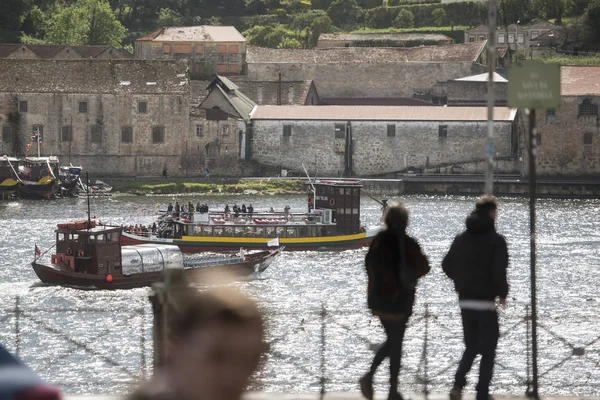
point(38, 175)
point(91, 256)
point(332, 222)
point(9, 179)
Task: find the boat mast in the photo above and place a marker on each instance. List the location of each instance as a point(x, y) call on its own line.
point(311, 184)
point(87, 189)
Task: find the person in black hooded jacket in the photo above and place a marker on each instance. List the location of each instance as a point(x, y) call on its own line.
point(477, 262)
point(394, 263)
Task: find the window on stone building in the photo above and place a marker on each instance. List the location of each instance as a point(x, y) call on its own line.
point(233, 49)
point(501, 38)
point(391, 131)
point(142, 107)
point(538, 139)
point(127, 134)
point(158, 134)
point(199, 49)
point(588, 108)
point(481, 38)
point(534, 34)
point(550, 115)
point(222, 49)
point(7, 134)
point(221, 68)
point(511, 38)
point(521, 38)
point(83, 107)
point(443, 131)
point(199, 130)
point(287, 131)
point(97, 134)
point(471, 39)
point(225, 130)
point(23, 106)
point(66, 133)
point(166, 48)
point(340, 131)
point(588, 138)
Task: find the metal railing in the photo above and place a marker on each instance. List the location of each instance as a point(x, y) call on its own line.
point(106, 349)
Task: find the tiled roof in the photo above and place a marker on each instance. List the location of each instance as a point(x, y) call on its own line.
point(238, 100)
point(51, 50)
point(543, 25)
point(348, 55)
point(292, 93)
point(373, 101)
point(400, 37)
point(380, 113)
point(97, 76)
point(580, 81)
point(202, 33)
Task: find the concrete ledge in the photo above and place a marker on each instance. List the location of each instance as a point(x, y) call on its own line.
point(344, 396)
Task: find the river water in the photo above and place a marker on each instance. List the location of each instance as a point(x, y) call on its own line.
point(100, 341)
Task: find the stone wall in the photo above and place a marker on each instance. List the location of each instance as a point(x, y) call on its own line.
point(563, 150)
point(364, 79)
point(460, 92)
point(416, 145)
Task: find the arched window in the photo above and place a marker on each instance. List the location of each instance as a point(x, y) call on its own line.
point(588, 108)
point(587, 139)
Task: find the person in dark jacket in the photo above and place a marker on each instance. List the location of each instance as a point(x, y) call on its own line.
point(394, 263)
point(477, 262)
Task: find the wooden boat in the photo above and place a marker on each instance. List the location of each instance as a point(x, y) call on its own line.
point(39, 177)
point(332, 222)
point(9, 179)
point(70, 180)
point(90, 256)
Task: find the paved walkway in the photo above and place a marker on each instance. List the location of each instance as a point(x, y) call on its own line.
point(341, 396)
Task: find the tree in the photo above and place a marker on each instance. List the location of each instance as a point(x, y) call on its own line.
point(289, 43)
point(592, 19)
point(439, 16)
point(321, 4)
point(87, 22)
point(11, 17)
point(515, 11)
point(546, 9)
point(322, 24)
point(168, 17)
point(404, 19)
point(380, 17)
point(255, 7)
point(344, 13)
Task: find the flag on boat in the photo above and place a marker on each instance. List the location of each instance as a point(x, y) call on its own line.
point(38, 252)
point(273, 242)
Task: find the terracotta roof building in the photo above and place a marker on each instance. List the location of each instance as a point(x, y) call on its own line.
point(210, 49)
point(381, 39)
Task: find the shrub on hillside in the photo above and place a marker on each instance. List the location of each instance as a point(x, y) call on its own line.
point(370, 3)
point(321, 4)
point(320, 25)
point(344, 13)
point(404, 19)
point(260, 20)
point(461, 13)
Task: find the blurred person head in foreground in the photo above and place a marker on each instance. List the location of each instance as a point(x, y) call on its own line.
point(215, 344)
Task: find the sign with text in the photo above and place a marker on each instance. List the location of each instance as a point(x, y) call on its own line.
point(534, 85)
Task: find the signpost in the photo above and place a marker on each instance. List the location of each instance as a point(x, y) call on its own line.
point(531, 86)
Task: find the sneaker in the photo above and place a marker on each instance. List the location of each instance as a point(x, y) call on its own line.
point(456, 394)
point(366, 387)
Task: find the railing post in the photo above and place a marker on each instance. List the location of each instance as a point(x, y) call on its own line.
point(323, 315)
point(528, 392)
point(143, 341)
point(158, 325)
point(425, 343)
point(17, 327)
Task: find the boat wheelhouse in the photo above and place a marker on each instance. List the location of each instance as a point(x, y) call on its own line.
point(39, 176)
point(332, 221)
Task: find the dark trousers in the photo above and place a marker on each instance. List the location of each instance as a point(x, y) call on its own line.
point(394, 330)
point(481, 332)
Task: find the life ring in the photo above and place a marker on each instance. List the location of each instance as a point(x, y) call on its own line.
point(332, 201)
point(69, 251)
point(310, 200)
point(80, 253)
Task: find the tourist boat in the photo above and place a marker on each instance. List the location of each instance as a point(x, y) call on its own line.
point(39, 177)
point(332, 222)
point(9, 179)
point(91, 256)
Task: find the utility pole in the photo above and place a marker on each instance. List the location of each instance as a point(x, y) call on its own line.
point(491, 60)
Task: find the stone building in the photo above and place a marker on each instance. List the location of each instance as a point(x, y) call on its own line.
point(52, 51)
point(514, 36)
point(210, 49)
point(329, 40)
point(371, 140)
point(114, 117)
point(356, 72)
point(569, 136)
point(472, 90)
